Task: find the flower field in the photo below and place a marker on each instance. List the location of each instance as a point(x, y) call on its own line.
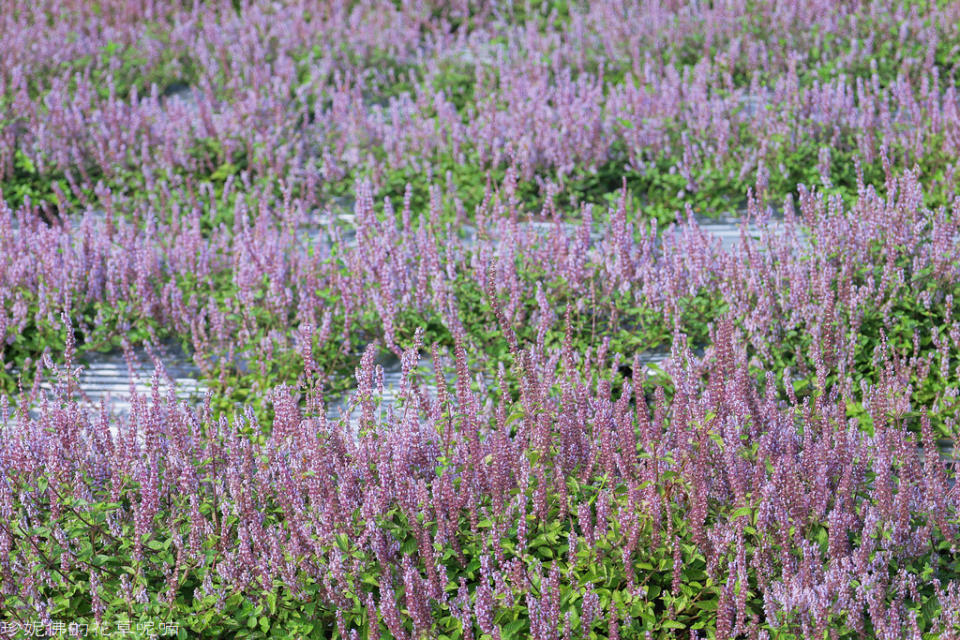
point(435, 319)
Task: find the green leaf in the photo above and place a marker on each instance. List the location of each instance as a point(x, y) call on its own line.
point(513, 629)
point(742, 512)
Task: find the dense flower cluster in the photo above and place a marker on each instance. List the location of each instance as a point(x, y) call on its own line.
point(178, 173)
point(269, 84)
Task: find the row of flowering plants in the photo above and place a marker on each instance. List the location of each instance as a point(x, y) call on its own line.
point(566, 494)
point(294, 193)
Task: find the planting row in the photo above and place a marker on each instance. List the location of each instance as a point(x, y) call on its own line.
point(787, 469)
point(115, 105)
